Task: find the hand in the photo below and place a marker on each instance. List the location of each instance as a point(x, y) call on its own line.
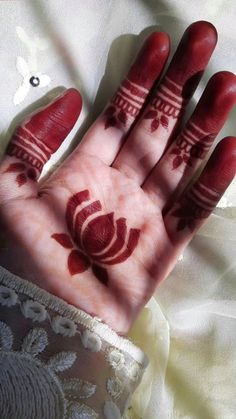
point(106, 227)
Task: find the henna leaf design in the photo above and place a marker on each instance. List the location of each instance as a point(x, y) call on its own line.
point(154, 125)
point(122, 117)
point(164, 121)
point(21, 179)
point(156, 120)
point(177, 162)
point(15, 167)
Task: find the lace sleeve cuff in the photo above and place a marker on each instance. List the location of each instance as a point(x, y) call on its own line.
point(58, 362)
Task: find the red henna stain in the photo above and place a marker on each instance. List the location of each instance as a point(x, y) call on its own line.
point(38, 137)
point(130, 97)
point(190, 145)
point(72, 204)
point(31, 173)
point(221, 167)
point(184, 72)
point(209, 116)
point(100, 273)
point(100, 240)
point(126, 104)
point(64, 240)
point(99, 233)
point(15, 167)
point(21, 179)
point(192, 55)
point(216, 102)
point(131, 245)
point(198, 203)
point(81, 217)
point(77, 262)
point(151, 60)
point(121, 231)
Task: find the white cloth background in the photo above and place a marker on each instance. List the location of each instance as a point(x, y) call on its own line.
point(188, 329)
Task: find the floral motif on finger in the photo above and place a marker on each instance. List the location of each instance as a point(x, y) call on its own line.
point(167, 103)
point(193, 143)
point(24, 173)
point(95, 239)
point(125, 105)
point(195, 206)
point(27, 147)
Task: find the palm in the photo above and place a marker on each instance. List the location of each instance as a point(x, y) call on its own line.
point(94, 232)
point(124, 221)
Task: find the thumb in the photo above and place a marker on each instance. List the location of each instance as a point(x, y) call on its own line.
point(34, 141)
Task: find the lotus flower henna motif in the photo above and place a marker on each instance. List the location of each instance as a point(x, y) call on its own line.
point(95, 238)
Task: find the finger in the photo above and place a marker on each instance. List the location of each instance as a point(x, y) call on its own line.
point(150, 135)
point(184, 156)
point(196, 204)
point(33, 143)
point(106, 135)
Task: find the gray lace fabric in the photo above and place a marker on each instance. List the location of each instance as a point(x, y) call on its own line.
point(58, 362)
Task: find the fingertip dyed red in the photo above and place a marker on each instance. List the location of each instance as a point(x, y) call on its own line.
point(203, 29)
point(193, 53)
point(69, 98)
point(221, 167)
point(216, 102)
point(151, 60)
point(53, 123)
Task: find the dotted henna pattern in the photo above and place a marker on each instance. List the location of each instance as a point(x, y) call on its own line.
point(103, 241)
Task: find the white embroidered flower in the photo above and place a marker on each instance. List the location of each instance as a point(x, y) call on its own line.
point(8, 297)
point(116, 359)
point(29, 70)
point(114, 387)
point(63, 326)
point(81, 411)
point(34, 311)
point(30, 79)
point(111, 411)
point(133, 371)
point(28, 376)
point(91, 341)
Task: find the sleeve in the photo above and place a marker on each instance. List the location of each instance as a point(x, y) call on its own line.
point(58, 362)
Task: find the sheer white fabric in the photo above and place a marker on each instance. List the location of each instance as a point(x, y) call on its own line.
point(188, 327)
point(58, 362)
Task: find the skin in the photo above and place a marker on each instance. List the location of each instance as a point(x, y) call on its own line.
point(36, 240)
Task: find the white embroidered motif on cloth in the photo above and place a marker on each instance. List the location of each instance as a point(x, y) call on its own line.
point(28, 69)
point(38, 381)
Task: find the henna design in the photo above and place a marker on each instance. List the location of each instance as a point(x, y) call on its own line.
point(25, 146)
point(196, 205)
point(126, 104)
point(95, 238)
point(24, 175)
point(192, 143)
point(167, 103)
point(43, 132)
